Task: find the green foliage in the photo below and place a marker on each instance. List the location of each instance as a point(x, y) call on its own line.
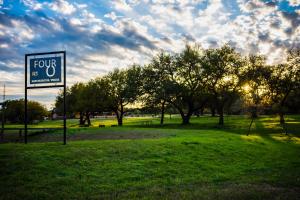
point(190, 93)
point(176, 80)
point(156, 84)
point(255, 88)
point(80, 98)
point(119, 89)
point(124, 85)
point(14, 111)
point(223, 75)
point(293, 102)
point(189, 81)
point(282, 80)
point(158, 88)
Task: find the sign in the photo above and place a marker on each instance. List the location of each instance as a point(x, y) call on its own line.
point(45, 70)
point(42, 71)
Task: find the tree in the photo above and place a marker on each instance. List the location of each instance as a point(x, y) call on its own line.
point(94, 97)
point(293, 102)
point(255, 86)
point(123, 88)
point(223, 75)
point(156, 84)
point(14, 111)
point(190, 93)
point(78, 99)
point(177, 80)
point(283, 79)
point(111, 92)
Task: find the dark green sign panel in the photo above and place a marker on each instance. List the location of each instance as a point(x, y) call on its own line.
point(45, 70)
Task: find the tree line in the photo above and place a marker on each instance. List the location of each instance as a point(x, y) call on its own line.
point(14, 111)
point(190, 81)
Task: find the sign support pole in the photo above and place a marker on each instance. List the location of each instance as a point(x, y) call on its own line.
point(65, 116)
point(25, 111)
point(3, 114)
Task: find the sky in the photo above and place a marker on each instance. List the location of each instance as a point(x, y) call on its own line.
point(99, 35)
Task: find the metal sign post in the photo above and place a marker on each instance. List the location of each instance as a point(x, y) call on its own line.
point(45, 71)
point(3, 114)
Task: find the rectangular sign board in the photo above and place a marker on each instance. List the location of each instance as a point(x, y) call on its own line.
point(42, 71)
point(45, 69)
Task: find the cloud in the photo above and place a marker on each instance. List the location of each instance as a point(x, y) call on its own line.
point(63, 7)
point(81, 6)
point(33, 4)
point(294, 2)
point(111, 15)
point(121, 5)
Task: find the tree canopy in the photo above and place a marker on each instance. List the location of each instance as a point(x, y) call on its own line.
point(190, 81)
point(15, 112)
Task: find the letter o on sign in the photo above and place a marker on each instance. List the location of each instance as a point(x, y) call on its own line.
point(53, 71)
point(41, 63)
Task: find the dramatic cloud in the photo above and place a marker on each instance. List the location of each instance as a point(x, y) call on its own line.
point(100, 36)
point(294, 2)
point(62, 6)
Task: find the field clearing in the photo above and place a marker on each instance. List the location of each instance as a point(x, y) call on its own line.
point(139, 161)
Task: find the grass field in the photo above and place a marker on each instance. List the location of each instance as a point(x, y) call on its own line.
point(138, 161)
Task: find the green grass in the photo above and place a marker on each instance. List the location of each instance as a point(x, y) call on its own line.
point(199, 161)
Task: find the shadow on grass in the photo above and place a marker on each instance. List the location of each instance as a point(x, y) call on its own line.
point(265, 126)
point(272, 130)
point(200, 123)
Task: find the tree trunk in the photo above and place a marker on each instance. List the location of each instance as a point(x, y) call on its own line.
point(81, 121)
point(119, 117)
point(120, 121)
point(252, 119)
point(186, 119)
point(282, 122)
point(2, 135)
point(87, 116)
point(221, 116)
point(213, 111)
point(202, 111)
point(162, 113)
point(254, 114)
point(281, 113)
point(281, 118)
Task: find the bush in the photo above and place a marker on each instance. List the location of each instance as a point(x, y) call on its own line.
point(15, 111)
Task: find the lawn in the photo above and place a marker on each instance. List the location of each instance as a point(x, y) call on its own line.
point(138, 161)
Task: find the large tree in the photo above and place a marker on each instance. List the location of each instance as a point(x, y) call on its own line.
point(78, 100)
point(156, 85)
point(123, 88)
point(177, 80)
point(282, 81)
point(190, 93)
point(255, 87)
point(223, 75)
